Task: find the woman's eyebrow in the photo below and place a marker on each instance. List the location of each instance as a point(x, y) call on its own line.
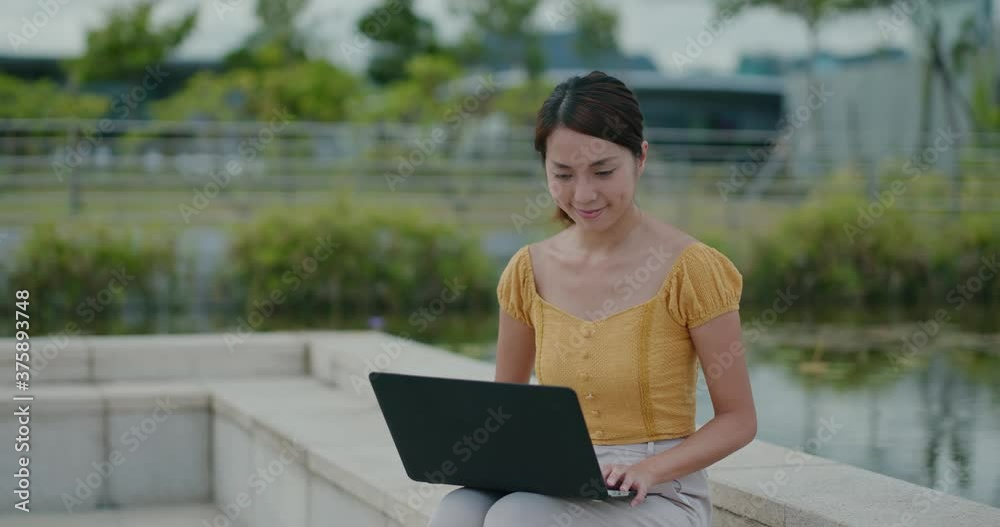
point(595, 163)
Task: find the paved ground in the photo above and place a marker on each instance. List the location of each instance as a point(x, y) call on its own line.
point(174, 516)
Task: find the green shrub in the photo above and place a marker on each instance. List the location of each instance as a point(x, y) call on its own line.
point(960, 257)
point(384, 263)
point(824, 252)
point(85, 275)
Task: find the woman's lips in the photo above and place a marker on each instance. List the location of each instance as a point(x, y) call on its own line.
point(590, 214)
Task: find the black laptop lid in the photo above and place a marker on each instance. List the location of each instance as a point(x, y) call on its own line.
point(490, 435)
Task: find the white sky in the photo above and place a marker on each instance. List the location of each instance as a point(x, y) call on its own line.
point(658, 28)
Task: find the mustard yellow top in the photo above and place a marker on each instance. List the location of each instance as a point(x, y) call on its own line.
point(634, 372)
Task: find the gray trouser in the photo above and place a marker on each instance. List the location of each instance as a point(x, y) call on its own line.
point(683, 502)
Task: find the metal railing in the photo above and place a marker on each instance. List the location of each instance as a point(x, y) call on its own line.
point(142, 171)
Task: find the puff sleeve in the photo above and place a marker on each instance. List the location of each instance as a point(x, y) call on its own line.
point(705, 284)
point(516, 287)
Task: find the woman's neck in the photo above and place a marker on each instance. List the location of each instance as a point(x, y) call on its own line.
point(605, 241)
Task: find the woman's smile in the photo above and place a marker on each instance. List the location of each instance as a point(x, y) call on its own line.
point(590, 214)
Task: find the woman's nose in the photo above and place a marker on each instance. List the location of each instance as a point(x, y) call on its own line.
point(584, 193)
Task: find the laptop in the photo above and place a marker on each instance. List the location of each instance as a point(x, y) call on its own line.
point(491, 435)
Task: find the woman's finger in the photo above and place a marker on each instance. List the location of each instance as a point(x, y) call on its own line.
point(626, 482)
point(640, 496)
point(613, 476)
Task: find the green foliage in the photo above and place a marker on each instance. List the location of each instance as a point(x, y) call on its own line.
point(511, 20)
point(401, 35)
point(276, 42)
point(520, 103)
point(85, 275)
point(870, 250)
point(311, 91)
point(964, 247)
point(128, 43)
point(43, 99)
point(815, 253)
point(384, 262)
point(596, 28)
point(419, 98)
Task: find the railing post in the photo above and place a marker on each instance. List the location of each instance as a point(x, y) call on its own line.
point(75, 201)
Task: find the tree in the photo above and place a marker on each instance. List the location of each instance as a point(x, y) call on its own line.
point(127, 44)
point(277, 41)
point(510, 20)
point(400, 35)
point(418, 98)
point(310, 91)
point(596, 29)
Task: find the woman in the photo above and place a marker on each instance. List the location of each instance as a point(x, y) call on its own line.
point(620, 307)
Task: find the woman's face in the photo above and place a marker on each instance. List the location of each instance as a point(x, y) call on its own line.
point(590, 178)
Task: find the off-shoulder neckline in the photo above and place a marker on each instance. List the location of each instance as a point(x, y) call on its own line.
point(659, 292)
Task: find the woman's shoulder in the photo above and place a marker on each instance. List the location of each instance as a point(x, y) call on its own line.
point(671, 240)
point(536, 252)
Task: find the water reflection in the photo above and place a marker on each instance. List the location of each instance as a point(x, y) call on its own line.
point(935, 423)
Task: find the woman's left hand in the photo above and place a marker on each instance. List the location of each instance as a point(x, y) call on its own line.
point(637, 477)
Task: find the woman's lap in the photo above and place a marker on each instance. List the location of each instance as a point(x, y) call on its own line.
point(683, 502)
point(468, 507)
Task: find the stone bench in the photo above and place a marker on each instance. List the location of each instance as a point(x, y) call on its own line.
point(89, 359)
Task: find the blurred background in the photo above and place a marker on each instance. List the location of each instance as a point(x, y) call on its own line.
point(166, 167)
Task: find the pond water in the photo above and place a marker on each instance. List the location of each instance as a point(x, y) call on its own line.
point(936, 425)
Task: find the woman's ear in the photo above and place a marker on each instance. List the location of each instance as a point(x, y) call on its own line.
point(642, 157)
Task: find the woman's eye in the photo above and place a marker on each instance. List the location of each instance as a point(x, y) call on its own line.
point(563, 176)
point(604, 173)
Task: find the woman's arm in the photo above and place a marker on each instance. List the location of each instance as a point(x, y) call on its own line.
point(515, 350)
point(720, 350)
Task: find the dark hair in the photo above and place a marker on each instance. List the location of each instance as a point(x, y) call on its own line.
point(598, 105)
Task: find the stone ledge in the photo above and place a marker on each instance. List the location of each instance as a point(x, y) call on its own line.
point(834, 494)
point(194, 356)
point(53, 400)
point(51, 359)
point(144, 395)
